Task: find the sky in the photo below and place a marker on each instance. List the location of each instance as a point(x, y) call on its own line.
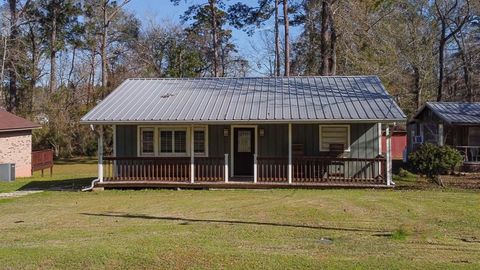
point(165, 11)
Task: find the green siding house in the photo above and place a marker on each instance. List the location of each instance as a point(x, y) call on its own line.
point(246, 132)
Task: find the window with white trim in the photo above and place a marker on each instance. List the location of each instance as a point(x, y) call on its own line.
point(199, 141)
point(173, 141)
point(334, 134)
point(147, 144)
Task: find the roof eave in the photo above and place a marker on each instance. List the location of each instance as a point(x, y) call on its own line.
point(19, 129)
point(304, 121)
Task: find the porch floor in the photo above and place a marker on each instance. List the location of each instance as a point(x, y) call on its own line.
point(234, 185)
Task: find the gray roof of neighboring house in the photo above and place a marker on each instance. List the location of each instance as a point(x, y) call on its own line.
point(269, 99)
point(463, 113)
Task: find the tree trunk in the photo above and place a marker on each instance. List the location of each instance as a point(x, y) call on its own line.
point(72, 66)
point(3, 63)
point(324, 36)
point(418, 89)
point(53, 52)
point(333, 43)
point(287, 37)
point(277, 42)
point(441, 64)
point(103, 49)
point(12, 102)
point(33, 72)
point(466, 67)
point(213, 11)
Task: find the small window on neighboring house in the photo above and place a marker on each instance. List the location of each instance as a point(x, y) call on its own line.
point(199, 140)
point(173, 141)
point(334, 135)
point(147, 144)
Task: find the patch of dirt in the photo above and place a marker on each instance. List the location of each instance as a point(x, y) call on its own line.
point(463, 181)
point(16, 194)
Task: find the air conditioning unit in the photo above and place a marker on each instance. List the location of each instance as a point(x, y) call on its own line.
point(7, 172)
point(418, 139)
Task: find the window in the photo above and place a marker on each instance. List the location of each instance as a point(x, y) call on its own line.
point(147, 141)
point(244, 141)
point(199, 140)
point(173, 141)
point(166, 139)
point(334, 135)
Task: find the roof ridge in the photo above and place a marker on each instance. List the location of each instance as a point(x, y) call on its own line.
point(256, 77)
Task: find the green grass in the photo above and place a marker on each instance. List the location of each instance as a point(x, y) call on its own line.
point(67, 174)
point(236, 229)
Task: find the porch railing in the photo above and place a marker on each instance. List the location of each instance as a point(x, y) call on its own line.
point(209, 169)
point(269, 169)
point(173, 169)
point(272, 169)
point(470, 153)
point(170, 169)
point(323, 169)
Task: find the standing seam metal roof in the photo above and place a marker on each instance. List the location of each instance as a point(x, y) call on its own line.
point(456, 112)
point(273, 99)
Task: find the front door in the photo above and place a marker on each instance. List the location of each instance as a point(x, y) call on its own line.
point(243, 150)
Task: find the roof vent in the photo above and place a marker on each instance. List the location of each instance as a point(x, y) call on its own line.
point(167, 95)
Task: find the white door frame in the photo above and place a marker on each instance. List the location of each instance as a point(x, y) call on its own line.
point(232, 136)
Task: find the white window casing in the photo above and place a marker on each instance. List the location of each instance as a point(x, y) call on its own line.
point(330, 134)
point(175, 133)
point(150, 151)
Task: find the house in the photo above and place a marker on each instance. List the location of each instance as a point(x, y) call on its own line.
point(456, 124)
point(16, 142)
point(246, 132)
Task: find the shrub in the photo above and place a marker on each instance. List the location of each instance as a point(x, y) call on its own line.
point(432, 160)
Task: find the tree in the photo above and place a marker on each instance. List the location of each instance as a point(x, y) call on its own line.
point(109, 11)
point(207, 22)
point(16, 19)
point(58, 20)
point(452, 16)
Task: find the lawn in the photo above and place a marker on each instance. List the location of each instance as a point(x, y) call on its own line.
point(235, 229)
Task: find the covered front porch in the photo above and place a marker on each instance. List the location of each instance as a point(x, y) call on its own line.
point(235, 155)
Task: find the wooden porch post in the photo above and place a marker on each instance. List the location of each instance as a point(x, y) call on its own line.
point(114, 142)
point(100, 154)
point(289, 153)
point(440, 134)
point(389, 155)
point(380, 140)
point(192, 156)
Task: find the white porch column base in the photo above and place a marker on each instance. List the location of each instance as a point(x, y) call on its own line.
point(290, 153)
point(226, 169)
point(389, 155)
point(255, 172)
point(100, 154)
point(192, 156)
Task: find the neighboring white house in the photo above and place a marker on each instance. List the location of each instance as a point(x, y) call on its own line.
point(16, 142)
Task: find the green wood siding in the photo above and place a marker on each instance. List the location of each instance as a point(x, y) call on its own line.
point(126, 140)
point(219, 145)
point(274, 142)
point(363, 139)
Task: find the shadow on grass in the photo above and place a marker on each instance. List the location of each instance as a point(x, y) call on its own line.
point(58, 185)
point(234, 222)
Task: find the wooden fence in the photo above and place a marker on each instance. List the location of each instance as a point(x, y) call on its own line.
point(42, 160)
